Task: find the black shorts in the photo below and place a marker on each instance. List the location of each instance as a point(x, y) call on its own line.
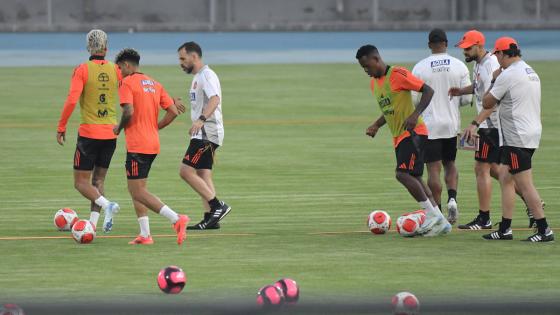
point(518, 159)
point(410, 155)
point(138, 165)
point(440, 150)
point(200, 154)
point(488, 146)
point(93, 152)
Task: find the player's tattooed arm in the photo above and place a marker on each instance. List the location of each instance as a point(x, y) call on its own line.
point(128, 111)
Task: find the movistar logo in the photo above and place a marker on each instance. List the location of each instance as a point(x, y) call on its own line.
point(103, 113)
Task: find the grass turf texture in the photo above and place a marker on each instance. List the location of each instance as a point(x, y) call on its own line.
point(295, 162)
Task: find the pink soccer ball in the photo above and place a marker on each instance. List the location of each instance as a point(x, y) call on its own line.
point(289, 288)
point(171, 280)
point(11, 309)
point(270, 296)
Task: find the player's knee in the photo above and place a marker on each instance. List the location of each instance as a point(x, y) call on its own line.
point(401, 176)
point(186, 173)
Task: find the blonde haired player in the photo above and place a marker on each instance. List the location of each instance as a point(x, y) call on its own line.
point(95, 85)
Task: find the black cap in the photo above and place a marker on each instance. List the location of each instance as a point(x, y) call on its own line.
point(437, 35)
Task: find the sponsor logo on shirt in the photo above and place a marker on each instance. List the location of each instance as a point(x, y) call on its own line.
point(439, 63)
point(148, 85)
point(193, 96)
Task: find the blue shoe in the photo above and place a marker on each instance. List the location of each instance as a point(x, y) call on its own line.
point(112, 209)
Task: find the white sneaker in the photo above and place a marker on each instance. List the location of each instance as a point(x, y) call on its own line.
point(428, 224)
point(441, 227)
point(452, 211)
point(111, 209)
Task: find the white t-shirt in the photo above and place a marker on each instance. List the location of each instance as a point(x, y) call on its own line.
point(482, 77)
point(441, 72)
point(518, 89)
point(206, 84)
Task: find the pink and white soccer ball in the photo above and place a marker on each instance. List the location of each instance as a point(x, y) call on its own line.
point(409, 223)
point(83, 232)
point(405, 303)
point(379, 222)
point(65, 218)
point(11, 309)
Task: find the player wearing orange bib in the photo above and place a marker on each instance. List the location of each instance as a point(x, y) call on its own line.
point(141, 98)
point(95, 85)
point(391, 88)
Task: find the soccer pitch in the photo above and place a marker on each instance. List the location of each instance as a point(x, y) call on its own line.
point(301, 177)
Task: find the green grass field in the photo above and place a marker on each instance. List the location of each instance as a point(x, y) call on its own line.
point(295, 165)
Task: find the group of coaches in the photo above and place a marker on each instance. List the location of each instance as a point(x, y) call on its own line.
point(507, 93)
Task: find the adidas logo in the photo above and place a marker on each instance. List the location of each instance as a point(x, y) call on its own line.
point(402, 166)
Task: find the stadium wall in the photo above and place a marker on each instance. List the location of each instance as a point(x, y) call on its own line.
point(272, 15)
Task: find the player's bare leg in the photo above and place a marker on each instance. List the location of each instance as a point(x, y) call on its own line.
point(451, 177)
point(189, 175)
point(145, 237)
point(206, 175)
point(434, 181)
point(219, 209)
point(98, 181)
point(139, 192)
point(82, 183)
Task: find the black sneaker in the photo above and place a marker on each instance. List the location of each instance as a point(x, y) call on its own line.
point(548, 236)
point(218, 214)
point(202, 226)
point(497, 235)
point(532, 222)
point(476, 224)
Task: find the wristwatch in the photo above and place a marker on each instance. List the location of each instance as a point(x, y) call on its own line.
point(202, 117)
point(474, 122)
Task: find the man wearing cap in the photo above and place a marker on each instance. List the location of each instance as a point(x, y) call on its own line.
point(487, 157)
point(442, 117)
point(516, 91)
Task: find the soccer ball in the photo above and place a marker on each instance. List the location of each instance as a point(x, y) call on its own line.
point(405, 303)
point(83, 232)
point(270, 296)
point(409, 223)
point(379, 222)
point(11, 309)
point(64, 219)
point(289, 289)
point(171, 280)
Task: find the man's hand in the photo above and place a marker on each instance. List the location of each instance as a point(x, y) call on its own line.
point(180, 106)
point(469, 133)
point(196, 126)
point(61, 137)
point(454, 91)
point(116, 130)
point(372, 130)
point(411, 121)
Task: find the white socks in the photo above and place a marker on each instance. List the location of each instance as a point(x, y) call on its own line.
point(102, 202)
point(144, 226)
point(93, 218)
point(430, 209)
point(168, 213)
